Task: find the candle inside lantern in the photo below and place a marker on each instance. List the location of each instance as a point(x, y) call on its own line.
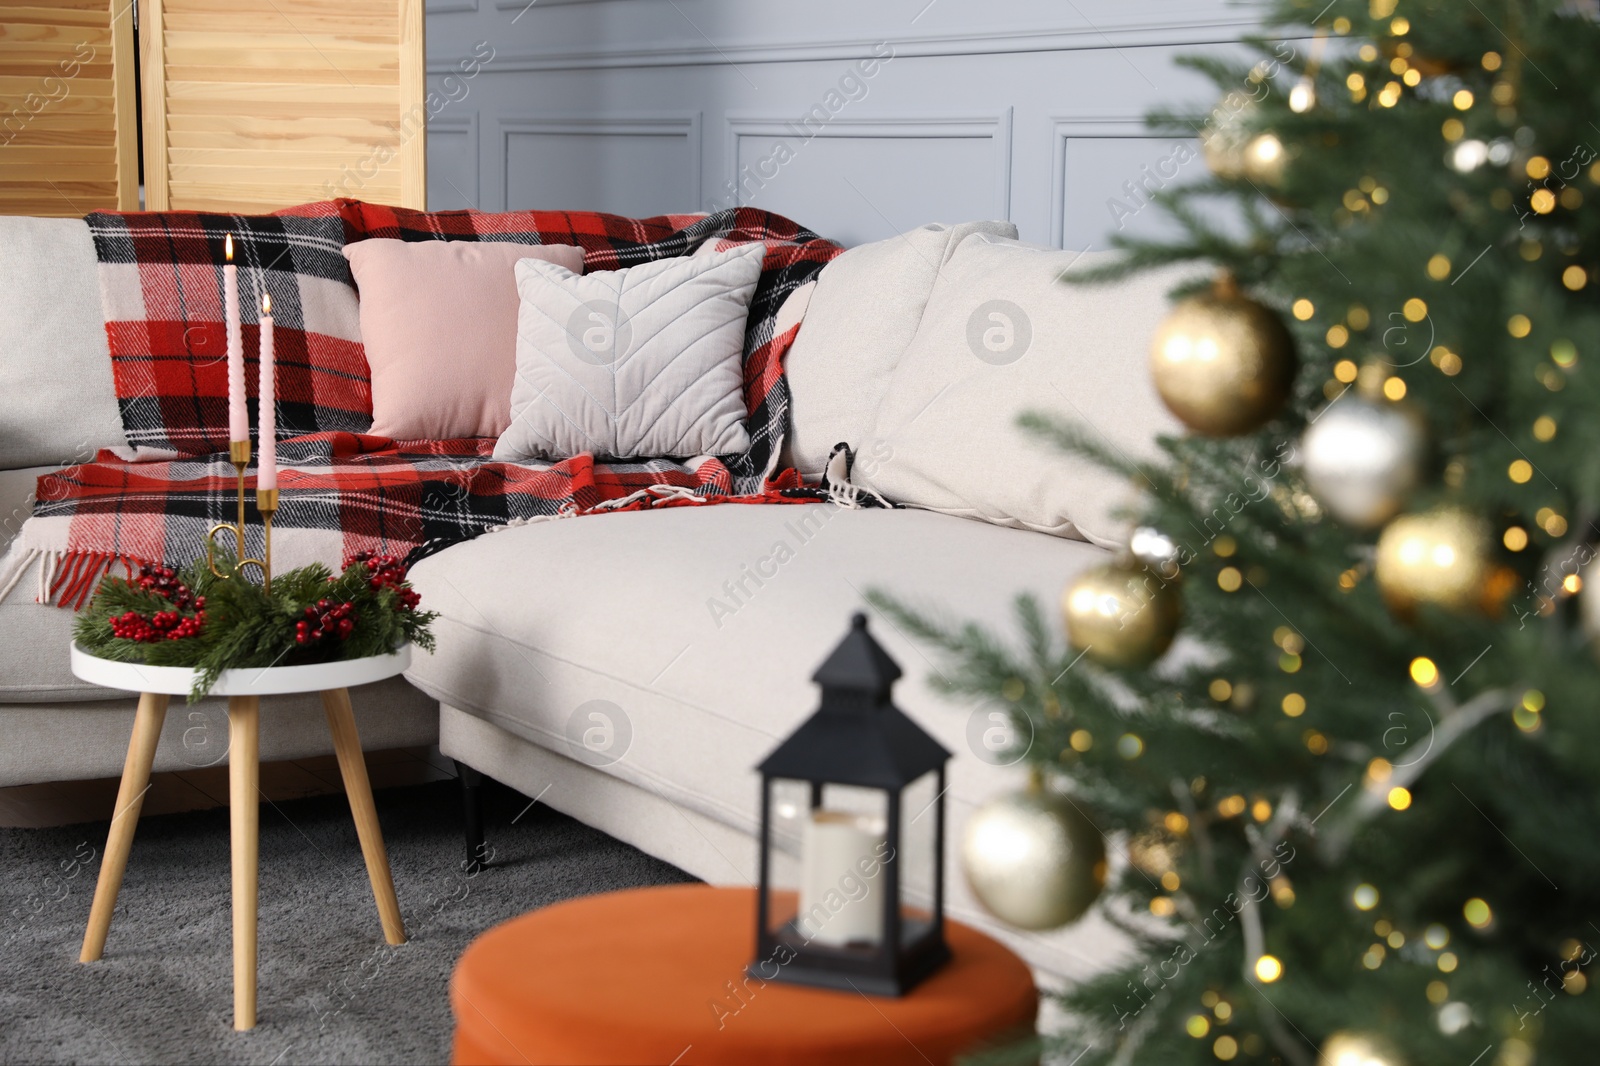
point(238, 415)
point(267, 471)
point(840, 854)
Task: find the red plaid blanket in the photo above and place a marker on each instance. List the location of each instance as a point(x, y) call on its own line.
point(342, 492)
point(161, 289)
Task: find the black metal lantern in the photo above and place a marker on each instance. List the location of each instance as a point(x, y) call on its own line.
point(852, 837)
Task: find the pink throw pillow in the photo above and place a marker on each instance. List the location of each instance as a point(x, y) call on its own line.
point(439, 323)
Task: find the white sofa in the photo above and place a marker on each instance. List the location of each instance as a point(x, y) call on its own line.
point(693, 631)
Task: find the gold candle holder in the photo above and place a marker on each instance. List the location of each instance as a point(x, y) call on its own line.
point(266, 503)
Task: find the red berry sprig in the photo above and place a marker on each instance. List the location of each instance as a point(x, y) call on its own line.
point(134, 626)
point(163, 581)
point(163, 625)
point(325, 619)
point(387, 571)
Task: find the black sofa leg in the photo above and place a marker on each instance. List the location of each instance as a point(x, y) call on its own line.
point(472, 809)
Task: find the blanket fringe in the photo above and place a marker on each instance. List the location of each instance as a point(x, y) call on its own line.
point(69, 579)
point(653, 494)
point(13, 567)
point(842, 492)
point(645, 497)
point(47, 572)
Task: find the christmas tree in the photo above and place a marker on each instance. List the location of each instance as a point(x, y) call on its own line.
point(1334, 710)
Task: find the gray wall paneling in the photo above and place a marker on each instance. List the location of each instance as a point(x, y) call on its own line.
point(1022, 109)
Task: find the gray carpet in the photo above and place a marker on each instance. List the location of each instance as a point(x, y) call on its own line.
point(330, 989)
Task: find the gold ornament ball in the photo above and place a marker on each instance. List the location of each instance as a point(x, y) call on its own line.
point(1033, 859)
point(1223, 145)
point(1439, 557)
point(1222, 362)
point(1358, 1049)
point(1363, 458)
point(1121, 615)
point(1264, 159)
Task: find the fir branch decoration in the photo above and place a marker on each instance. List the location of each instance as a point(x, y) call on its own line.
point(1350, 822)
point(191, 618)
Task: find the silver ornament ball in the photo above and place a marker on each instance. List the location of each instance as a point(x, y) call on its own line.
point(1364, 458)
point(1157, 551)
point(1033, 859)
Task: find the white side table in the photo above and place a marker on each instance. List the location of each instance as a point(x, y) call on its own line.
point(244, 689)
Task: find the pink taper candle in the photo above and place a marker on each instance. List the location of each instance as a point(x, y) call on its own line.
point(238, 414)
point(267, 471)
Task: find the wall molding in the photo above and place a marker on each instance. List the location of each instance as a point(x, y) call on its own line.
point(1214, 29)
point(990, 126)
point(464, 123)
point(1063, 132)
point(686, 124)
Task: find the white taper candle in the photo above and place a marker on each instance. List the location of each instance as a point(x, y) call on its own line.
point(267, 471)
point(238, 413)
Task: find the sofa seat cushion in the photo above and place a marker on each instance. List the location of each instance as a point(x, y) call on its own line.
point(34, 662)
point(674, 648)
point(36, 639)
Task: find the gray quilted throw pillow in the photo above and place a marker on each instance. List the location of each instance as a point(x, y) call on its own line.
point(641, 363)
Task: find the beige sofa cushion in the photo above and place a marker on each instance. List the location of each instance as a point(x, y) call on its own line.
point(704, 625)
point(34, 663)
point(57, 402)
point(1004, 334)
point(33, 639)
point(866, 308)
point(693, 633)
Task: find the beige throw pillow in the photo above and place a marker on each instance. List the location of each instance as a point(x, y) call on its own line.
point(1004, 334)
point(866, 308)
point(58, 404)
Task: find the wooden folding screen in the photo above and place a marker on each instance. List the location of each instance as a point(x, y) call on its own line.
point(253, 105)
point(68, 131)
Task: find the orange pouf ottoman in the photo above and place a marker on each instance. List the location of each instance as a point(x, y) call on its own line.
point(657, 975)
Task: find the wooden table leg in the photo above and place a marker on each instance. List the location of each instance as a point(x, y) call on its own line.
point(353, 767)
point(130, 797)
point(244, 781)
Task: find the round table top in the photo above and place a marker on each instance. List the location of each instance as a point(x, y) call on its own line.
point(658, 975)
point(265, 681)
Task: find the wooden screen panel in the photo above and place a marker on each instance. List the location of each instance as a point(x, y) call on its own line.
point(254, 105)
point(68, 133)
